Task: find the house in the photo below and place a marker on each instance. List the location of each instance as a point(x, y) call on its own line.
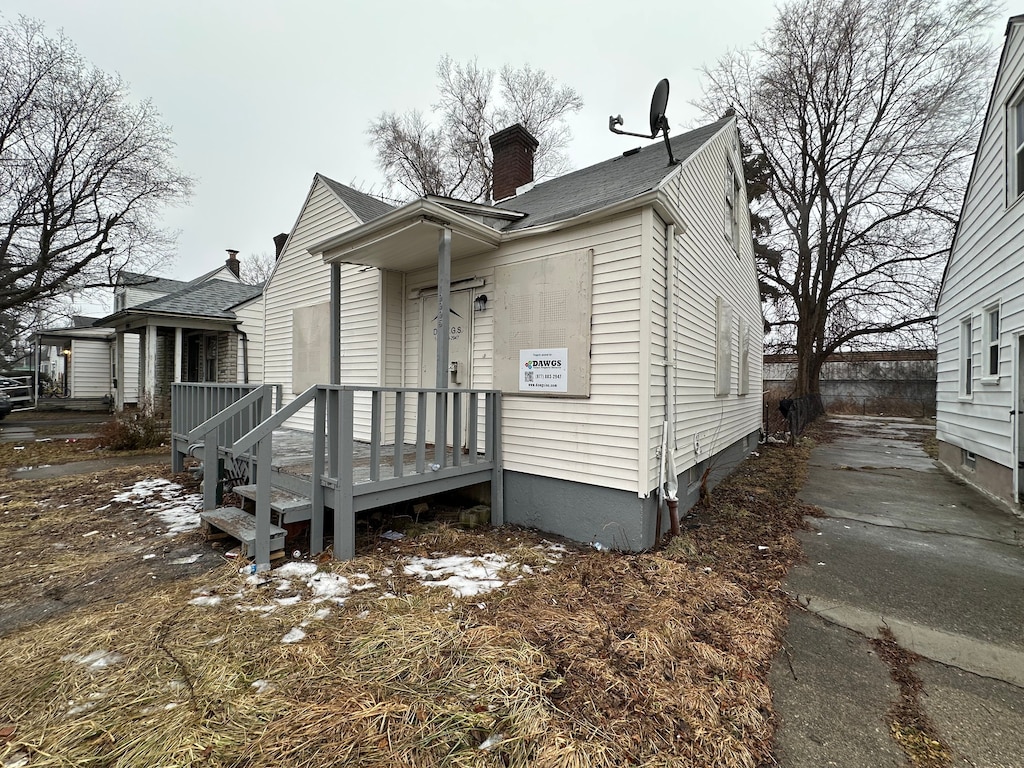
point(77, 362)
point(980, 365)
point(207, 330)
point(614, 309)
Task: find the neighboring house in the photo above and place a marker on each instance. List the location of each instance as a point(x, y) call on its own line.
point(980, 388)
point(79, 360)
point(206, 330)
point(632, 280)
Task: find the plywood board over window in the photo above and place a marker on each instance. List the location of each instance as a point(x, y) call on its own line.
point(542, 313)
point(311, 353)
point(723, 351)
point(744, 377)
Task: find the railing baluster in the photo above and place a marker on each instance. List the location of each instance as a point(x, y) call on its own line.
point(440, 427)
point(421, 431)
point(399, 461)
point(456, 429)
point(375, 434)
point(474, 418)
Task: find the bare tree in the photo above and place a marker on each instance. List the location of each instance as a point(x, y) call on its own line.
point(867, 113)
point(84, 172)
point(256, 268)
point(453, 157)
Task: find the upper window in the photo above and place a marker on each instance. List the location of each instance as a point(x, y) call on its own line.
point(1015, 145)
point(991, 331)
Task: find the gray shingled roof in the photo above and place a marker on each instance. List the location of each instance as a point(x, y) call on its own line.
point(213, 298)
point(151, 282)
point(606, 183)
point(365, 207)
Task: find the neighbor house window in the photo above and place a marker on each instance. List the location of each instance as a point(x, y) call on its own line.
point(966, 358)
point(991, 330)
point(1015, 140)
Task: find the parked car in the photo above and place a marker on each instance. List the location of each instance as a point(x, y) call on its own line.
point(6, 406)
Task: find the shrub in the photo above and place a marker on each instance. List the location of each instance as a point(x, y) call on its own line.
point(133, 431)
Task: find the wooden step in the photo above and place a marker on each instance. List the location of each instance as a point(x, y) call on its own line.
point(242, 526)
point(287, 507)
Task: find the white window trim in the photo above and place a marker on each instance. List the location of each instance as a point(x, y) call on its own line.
point(988, 378)
point(965, 355)
point(732, 205)
point(1014, 148)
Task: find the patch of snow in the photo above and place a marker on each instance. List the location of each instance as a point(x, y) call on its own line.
point(294, 635)
point(99, 659)
point(206, 601)
point(262, 686)
point(187, 560)
point(464, 575)
point(177, 510)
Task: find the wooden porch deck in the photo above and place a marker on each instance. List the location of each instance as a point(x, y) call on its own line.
point(331, 466)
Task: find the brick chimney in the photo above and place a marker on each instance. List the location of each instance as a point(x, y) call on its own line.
point(232, 262)
point(279, 241)
point(513, 150)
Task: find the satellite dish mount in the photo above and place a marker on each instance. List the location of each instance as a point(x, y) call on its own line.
point(659, 123)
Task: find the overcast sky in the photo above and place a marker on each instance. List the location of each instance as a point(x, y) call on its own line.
point(261, 95)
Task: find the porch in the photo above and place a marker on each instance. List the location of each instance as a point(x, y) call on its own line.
point(369, 447)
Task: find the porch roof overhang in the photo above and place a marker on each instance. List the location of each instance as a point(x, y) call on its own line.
point(57, 337)
point(406, 239)
point(128, 320)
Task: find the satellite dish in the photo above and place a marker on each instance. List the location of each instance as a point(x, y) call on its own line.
point(659, 101)
point(659, 123)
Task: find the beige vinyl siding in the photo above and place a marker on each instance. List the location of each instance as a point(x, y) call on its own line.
point(90, 368)
point(986, 266)
point(708, 266)
point(301, 279)
point(250, 316)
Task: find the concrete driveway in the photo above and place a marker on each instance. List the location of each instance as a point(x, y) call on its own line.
point(906, 547)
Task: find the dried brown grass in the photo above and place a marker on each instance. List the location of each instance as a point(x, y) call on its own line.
point(603, 660)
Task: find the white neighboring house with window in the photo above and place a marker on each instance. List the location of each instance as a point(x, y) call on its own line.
point(980, 372)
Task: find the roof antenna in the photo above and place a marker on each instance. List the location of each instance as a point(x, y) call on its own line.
point(658, 120)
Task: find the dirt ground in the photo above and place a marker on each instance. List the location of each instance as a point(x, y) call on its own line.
point(135, 646)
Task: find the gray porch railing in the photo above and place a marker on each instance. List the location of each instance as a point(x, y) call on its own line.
point(216, 414)
point(398, 469)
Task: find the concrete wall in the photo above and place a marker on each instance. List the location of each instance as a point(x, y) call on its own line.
point(893, 381)
point(612, 518)
point(987, 476)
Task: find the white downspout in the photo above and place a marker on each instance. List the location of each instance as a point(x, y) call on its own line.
point(670, 489)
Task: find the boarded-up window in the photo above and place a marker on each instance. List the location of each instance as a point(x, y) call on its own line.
point(311, 354)
point(723, 347)
point(544, 305)
point(744, 382)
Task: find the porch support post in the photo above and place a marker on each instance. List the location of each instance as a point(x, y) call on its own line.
point(150, 387)
point(120, 369)
point(335, 324)
point(38, 357)
point(444, 291)
point(176, 378)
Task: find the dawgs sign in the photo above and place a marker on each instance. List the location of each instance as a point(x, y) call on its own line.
point(544, 370)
